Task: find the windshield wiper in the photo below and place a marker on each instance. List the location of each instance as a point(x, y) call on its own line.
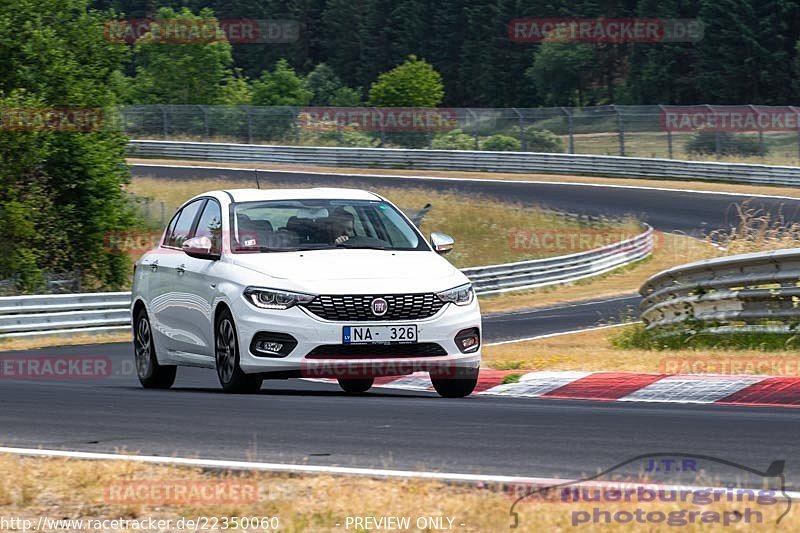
point(360, 246)
point(264, 249)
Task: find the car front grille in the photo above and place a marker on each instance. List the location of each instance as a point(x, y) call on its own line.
point(358, 307)
point(376, 351)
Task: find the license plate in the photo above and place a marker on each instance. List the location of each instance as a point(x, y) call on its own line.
point(379, 334)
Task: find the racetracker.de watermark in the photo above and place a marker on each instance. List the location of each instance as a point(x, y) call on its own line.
point(58, 119)
point(387, 119)
point(732, 366)
point(730, 118)
point(567, 241)
point(55, 367)
point(234, 31)
point(605, 30)
point(365, 369)
point(181, 492)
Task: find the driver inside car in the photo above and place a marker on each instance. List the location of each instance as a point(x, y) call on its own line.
point(343, 226)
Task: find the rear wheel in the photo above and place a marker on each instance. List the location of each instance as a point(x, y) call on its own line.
point(458, 386)
point(355, 386)
point(226, 351)
point(151, 374)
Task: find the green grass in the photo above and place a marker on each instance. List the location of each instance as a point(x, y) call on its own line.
point(512, 378)
point(636, 337)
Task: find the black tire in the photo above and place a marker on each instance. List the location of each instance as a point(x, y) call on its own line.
point(226, 356)
point(356, 386)
point(151, 374)
point(458, 386)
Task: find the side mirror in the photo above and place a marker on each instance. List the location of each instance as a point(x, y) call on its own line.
point(441, 242)
point(200, 248)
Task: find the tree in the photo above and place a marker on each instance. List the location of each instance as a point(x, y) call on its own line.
point(323, 83)
point(731, 55)
point(346, 97)
point(281, 87)
point(413, 84)
point(60, 191)
point(236, 91)
point(182, 72)
point(561, 72)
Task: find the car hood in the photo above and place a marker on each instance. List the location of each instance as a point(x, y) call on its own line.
point(354, 271)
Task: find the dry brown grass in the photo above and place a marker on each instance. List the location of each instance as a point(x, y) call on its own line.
point(9, 344)
point(671, 250)
point(480, 226)
point(757, 231)
point(592, 351)
point(662, 184)
point(59, 488)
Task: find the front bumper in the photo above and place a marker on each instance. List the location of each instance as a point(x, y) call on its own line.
point(311, 331)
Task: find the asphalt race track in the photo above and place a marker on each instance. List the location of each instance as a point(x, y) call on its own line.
point(297, 421)
point(302, 422)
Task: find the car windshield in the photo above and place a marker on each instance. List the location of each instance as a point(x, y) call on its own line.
point(292, 225)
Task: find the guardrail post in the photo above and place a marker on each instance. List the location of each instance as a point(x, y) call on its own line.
point(620, 131)
point(571, 126)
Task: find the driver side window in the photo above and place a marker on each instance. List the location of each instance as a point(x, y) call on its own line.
point(210, 225)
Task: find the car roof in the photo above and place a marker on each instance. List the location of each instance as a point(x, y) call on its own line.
point(317, 193)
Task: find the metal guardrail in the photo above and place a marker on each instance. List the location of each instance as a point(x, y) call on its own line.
point(562, 269)
point(57, 313)
point(755, 292)
point(98, 312)
point(512, 162)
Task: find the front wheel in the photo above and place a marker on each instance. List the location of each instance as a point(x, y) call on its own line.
point(456, 387)
point(226, 352)
point(151, 374)
point(356, 386)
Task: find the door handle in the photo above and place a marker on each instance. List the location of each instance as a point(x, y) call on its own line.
point(154, 266)
point(180, 270)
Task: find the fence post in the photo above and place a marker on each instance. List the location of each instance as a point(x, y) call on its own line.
point(761, 150)
point(296, 123)
point(474, 128)
point(428, 132)
point(620, 131)
point(164, 129)
point(249, 124)
point(383, 126)
point(666, 127)
point(797, 119)
point(205, 121)
point(571, 126)
point(522, 132)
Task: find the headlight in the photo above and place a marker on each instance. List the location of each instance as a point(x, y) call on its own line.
point(275, 299)
point(461, 295)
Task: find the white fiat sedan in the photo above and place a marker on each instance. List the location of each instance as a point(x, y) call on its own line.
point(312, 283)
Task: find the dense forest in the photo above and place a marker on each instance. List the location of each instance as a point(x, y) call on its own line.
point(749, 52)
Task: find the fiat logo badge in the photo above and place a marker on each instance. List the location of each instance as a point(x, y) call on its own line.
point(379, 307)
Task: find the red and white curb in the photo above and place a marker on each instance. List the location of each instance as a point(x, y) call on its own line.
point(768, 391)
